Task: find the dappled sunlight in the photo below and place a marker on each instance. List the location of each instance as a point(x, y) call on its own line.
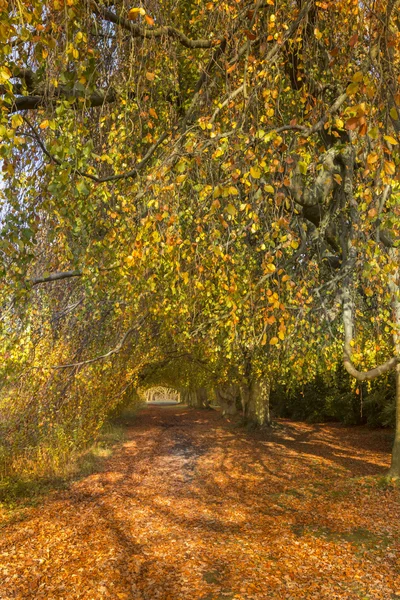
point(189, 508)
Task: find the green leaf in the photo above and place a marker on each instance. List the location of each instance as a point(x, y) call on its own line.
point(181, 166)
point(231, 210)
point(82, 188)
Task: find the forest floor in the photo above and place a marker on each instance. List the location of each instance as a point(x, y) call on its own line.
point(192, 507)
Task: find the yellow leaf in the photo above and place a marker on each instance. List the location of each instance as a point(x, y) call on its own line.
point(150, 76)
point(281, 335)
point(44, 124)
point(232, 191)
point(373, 133)
point(391, 140)
point(217, 191)
point(271, 267)
point(273, 341)
point(135, 12)
point(303, 167)
point(255, 172)
point(181, 166)
point(269, 188)
point(372, 158)
point(390, 167)
point(358, 77)
point(394, 114)
point(5, 74)
point(352, 89)
point(338, 178)
point(16, 121)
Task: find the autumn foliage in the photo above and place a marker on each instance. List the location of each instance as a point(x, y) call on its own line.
point(193, 508)
point(198, 194)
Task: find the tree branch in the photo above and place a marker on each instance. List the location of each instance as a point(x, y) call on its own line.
point(38, 101)
point(115, 350)
point(277, 47)
point(57, 276)
point(128, 175)
point(141, 32)
point(348, 339)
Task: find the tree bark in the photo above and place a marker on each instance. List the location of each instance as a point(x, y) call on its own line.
point(228, 398)
point(258, 411)
point(394, 288)
point(395, 464)
point(196, 398)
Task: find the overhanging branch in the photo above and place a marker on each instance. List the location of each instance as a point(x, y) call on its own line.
point(82, 363)
point(57, 276)
point(348, 340)
point(128, 175)
point(35, 101)
point(146, 33)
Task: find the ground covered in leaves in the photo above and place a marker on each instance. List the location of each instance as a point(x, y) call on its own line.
point(191, 508)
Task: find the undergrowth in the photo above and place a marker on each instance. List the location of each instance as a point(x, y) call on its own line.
point(51, 468)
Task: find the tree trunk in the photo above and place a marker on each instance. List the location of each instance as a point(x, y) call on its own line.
point(258, 402)
point(395, 465)
point(228, 398)
point(203, 399)
point(394, 288)
point(245, 399)
point(196, 398)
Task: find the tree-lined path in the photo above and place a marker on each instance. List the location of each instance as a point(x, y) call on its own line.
point(191, 507)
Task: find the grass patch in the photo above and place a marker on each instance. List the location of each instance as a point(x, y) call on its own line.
point(359, 537)
point(19, 491)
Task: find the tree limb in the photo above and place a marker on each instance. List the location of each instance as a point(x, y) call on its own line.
point(56, 276)
point(277, 47)
point(38, 101)
point(115, 350)
point(133, 173)
point(141, 32)
point(348, 339)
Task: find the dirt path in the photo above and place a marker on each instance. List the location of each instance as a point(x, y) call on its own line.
point(191, 508)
